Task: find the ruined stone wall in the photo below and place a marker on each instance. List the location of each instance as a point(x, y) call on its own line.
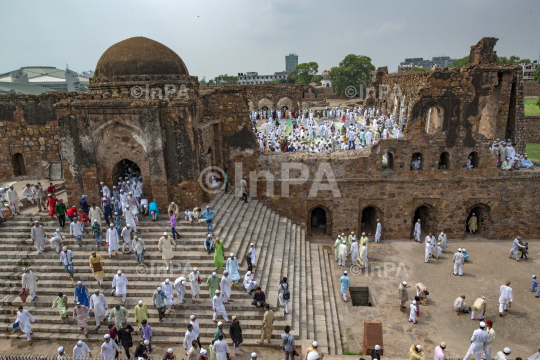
point(274, 96)
point(532, 126)
point(28, 127)
point(449, 195)
point(531, 88)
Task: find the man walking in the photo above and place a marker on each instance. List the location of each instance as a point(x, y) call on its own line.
point(208, 214)
point(80, 314)
point(505, 298)
point(268, 325)
point(478, 339)
point(345, 284)
point(288, 344)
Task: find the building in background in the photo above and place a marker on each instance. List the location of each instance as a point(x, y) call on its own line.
point(47, 77)
point(254, 77)
point(442, 61)
point(325, 80)
point(291, 62)
point(528, 70)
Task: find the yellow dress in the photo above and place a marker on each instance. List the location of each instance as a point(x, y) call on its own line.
point(97, 266)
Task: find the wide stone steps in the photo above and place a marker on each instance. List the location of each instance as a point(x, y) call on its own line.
point(282, 251)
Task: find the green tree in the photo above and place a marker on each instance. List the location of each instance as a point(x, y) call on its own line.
point(536, 75)
point(353, 70)
point(460, 62)
point(418, 69)
point(503, 60)
point(211, 83)
point(202, 82)
point(226, 80)
point(303, 73)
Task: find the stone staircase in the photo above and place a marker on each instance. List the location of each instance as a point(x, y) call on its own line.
point(282, 250)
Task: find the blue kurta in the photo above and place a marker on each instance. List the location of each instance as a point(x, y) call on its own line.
point(345, 283)
point(232, 268)
point(466, 254)
point(153, 207)
point(82, 295)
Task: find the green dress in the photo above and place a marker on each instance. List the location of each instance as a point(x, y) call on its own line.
point(61, 304)
point(218, 254)
point(214, 282)
point(211, 352)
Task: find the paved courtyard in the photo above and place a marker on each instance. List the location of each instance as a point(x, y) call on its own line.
point(489, 267)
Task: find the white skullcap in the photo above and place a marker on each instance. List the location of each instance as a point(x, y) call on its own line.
point(107, 336)
point(79, 343)
point(146, 342)
point(253, 354)
point(414, 302)
point(203, 352)
point(214, 274)
point(339, 236)
point(342, 234)
point(231, 255)
point(404, 283)
point(165, 233)
point(507, 350)
point(119, 272)
point(60, 349)
point(459, 249)
point(111, 224)
point(207, 206)
point(313, 356)
point(140, 302)
point(166, 281)
point(194, 269)
point(219, 323)
point(463, 249)
point(419, 347)
point(192, 317)
point(534, 276)
point(79, 282)
point(248, 273)
point(315, 344)
point(377, 347)
point(101, 183)
point(363, 233)
point(127, 225)
point(482, 324)
point(58, 230)
point(345, 272)
point(95, 221)
point(169, 351)
point(159, 288)
point(36, 222)
point(172, 203)
point(217, 292)
point(225, 272)
point(252, 244)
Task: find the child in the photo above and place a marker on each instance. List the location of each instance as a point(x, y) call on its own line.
point(172, 224)
point(83, 219)
point(147, 333)
point(439, 250)
point(466, 254)
point(209, 243)
point(196, 213)
point(188, 215)
point(96, 230)
point(118, 224)
point(523, 251)
point(248, 260)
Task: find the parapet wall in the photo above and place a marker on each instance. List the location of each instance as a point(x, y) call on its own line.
point(532, 126)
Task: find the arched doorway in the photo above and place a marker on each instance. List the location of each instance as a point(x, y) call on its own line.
point(368, 221)
point(318, 221)
point(483, 216)
point(17, 161)
point(125, 168)
point(427, 219)
point(444, 161)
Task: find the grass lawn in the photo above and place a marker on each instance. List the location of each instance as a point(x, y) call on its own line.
point(533, 151)
point(531, 108)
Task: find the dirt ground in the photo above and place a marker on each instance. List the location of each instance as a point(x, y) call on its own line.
point(489, 268)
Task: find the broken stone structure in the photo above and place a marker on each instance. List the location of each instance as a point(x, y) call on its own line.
point(144, 108)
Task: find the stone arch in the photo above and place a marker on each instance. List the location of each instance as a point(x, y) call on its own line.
point(104, 130)
point(421, 111)
point(475, 159)
point(428, 216)
point(434, 119)
point(368, 216)
point(483, 213)
point(444, 161)
point(328, 218)
point(265, 102)
point(285, 101)
point(121, 167)
point(17, 162)
point(417, 156)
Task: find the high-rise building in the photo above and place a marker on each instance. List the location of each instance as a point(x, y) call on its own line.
point(291, 61)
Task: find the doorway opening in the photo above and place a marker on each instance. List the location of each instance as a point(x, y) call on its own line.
point(17, 161)
point(318, 221)
point(368, 223)
point(483, 216)
point(427, 220)
point(125, 168)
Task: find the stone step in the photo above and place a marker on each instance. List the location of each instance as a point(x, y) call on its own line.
point(319, 318)
point(310, 317)
point(294, 274)
point(333, 297)
point(326, 300)
point(263, 261)
point(278, 261)
point(243, 234)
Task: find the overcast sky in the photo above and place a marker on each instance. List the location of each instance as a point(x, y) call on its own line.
point(231, 36)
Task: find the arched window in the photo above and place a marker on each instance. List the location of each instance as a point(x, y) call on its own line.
point(17, 162)
point(434, 119)
point(417, 161)
point(473, 160)
point(444, 161)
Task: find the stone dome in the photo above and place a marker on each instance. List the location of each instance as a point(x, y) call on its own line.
point(140, 56)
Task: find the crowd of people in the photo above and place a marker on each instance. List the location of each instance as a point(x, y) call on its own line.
point(506, 157)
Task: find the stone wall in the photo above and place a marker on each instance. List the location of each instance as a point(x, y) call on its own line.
point(28, 127)
point(531, 88)
point(532, 126)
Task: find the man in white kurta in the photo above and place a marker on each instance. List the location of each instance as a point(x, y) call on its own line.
point(180, 287)
point(444, 241)
point(233, 269)
point(13, 197)
point(189, 337)
point(515, 248)
point(165, 247)
point(363, 255)
point(342, 253)
point(479, 337)
point(98, 303)
point(249, 284)
point(218, 305)
point(336, 247)
point(222, 349)
point(25, 320)
point(225, 286)
point(430, 239)
point(378, 232)
point(38, 236)
point(112, 240)
point(412, 312)
point(459, 260)
point(120, 283)
point(108, 348)
point(253, 254)
point(80, 350)
point(506, 297)
point(354, 251)
point(417, 230)
point(167, 287)
point(29, 280)
point(130, 219)
point(194, 277)
point(126, 238)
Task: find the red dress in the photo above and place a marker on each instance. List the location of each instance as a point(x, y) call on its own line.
point(51, 204)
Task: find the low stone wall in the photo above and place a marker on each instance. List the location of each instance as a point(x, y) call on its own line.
point(532, 127)
point(531, 88)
